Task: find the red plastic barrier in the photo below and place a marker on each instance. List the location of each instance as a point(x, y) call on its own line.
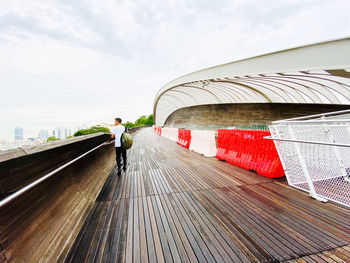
point(158, 130)
point(248, 149)
point(184, 138)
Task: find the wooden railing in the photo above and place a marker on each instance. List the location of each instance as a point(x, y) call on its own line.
point(41, 223)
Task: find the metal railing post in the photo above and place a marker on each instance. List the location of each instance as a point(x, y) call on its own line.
point(275, 129)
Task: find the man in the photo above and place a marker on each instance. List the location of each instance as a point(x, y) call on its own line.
point(117, 132)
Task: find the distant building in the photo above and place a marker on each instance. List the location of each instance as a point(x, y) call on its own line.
point(4, 141)
point(62, 133)
point(59, 133)
point(43, 135)
point(18, 134)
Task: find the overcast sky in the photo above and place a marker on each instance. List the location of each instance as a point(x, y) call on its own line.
point(67, 63)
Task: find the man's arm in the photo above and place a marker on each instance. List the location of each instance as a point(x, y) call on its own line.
point(111, 138)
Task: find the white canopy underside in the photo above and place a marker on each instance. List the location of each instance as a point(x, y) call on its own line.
point(317, 73)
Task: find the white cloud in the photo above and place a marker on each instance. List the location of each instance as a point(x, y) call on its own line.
point(73, 62)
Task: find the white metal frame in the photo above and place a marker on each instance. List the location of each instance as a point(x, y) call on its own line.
point(330, 179)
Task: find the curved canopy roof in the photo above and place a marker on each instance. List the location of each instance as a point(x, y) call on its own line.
point(318, 73)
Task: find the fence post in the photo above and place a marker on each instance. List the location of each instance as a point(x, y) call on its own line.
point(336, 152)
point(304, 167)
point(274, 129)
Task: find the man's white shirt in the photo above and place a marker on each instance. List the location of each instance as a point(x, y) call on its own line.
point(118, 131)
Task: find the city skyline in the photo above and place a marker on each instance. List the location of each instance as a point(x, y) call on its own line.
point(66, 131)
point(20, 138)
point(34, 133)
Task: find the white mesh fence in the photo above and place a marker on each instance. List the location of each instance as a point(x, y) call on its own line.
point(316, 156)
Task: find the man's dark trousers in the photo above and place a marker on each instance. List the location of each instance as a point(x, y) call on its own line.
point(118, 152)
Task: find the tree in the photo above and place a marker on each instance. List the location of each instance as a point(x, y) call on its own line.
point(144, 120)
point(150, 120)
point(129, 125)
point(52, 138)
point(141, 121)
point(93, 129)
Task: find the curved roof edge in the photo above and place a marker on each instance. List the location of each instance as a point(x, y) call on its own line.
point(329, 55)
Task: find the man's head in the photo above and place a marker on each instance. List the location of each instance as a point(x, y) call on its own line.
point(118, 121)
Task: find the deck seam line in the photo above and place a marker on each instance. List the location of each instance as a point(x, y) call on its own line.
point(191, 191)
point(3, 253)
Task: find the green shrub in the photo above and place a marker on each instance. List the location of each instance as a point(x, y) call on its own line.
point(93, 129)
point(52, 138)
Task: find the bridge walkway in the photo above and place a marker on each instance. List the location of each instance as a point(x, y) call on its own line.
point(173, 205)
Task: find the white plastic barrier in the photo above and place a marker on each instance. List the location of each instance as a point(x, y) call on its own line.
point(170, 133)
point(203, 142)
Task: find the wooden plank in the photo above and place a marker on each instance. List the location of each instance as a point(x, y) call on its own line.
point(166, 247)
point(143, 241)
point(71, 226)
point(239, 235)
point(328, 240)
point(3, 258)
point(100, 248)
point(156, 238)
point(89, 237)
point(333, 215)
point(205, 250)
point(148, 229)
point(234, 241)
point(281, 231)
point(212, 234)
point(136, 232)
point(338, 255)
point(169, 235)
point(112, 241)
point(123, 234)
point(249, 230)
point(47, 225)
point(229, 246)
point(180, 238)
point(130, 237)
point(162, 182)
point(155, 190)
point(197, 249)
point(142, 183)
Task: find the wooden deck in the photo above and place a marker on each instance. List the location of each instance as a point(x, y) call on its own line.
point(341, 254)
point(173, 205)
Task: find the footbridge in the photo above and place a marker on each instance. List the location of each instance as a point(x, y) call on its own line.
point(171, 205)
point(206, 183)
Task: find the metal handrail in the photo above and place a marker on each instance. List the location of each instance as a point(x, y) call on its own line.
point(334, 113)
point(311, 121)
point(46, 176)
point(312, 142)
